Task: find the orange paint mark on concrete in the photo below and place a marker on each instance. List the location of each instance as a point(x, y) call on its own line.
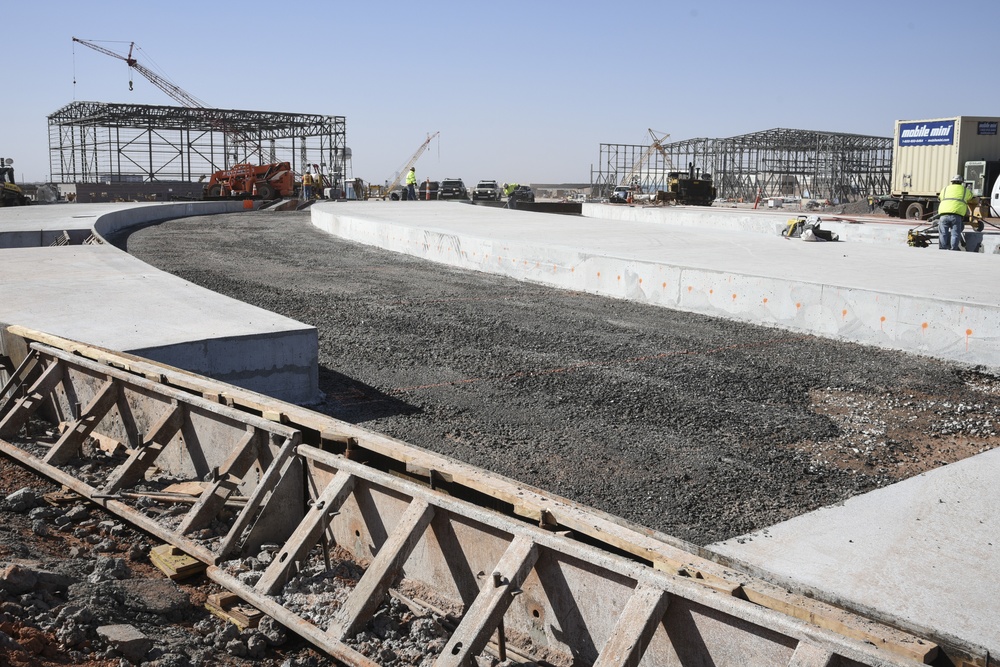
point(924, 326)
point(640, 281)
point(798, 305)
point(619, 278)
point(598, 274)
point(843, 313)
point(765, 299)
point(734, 297)
point(968, 332)
point(690, 288)
point(711, 291)
point(664, 286)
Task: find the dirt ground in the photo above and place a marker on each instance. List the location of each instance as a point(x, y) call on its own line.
point(701, 428)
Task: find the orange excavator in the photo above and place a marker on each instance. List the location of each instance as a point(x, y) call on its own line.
point(266, 181)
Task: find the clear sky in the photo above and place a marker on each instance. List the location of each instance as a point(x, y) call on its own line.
point(520, 91)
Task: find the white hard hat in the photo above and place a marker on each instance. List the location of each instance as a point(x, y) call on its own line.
point(956, 178)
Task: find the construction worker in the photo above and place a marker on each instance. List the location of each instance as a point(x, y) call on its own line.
point(510, 192)
point(307, 185)
point(956, 202)
point(411, 184)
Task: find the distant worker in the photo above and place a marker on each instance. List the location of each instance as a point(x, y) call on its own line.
point(510, 192)
point(307, 185)
point(411, 184)
point(956, 202)
point(871, 203)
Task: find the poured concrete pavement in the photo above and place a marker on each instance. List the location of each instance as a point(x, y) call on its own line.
point(99, 295)
point(922, 552)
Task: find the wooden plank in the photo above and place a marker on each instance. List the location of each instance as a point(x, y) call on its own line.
point(383, 571)
point(306, 534)
point(840, 621)
point(156, 439)
point(634, 629)
point(486, 612)
point(25, 406)
point(72, 438)
point(175, 563)
point(231, 473)
point(810, 655)
point(229, 607)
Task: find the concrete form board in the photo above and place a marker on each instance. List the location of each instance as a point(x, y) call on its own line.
point(925, 170)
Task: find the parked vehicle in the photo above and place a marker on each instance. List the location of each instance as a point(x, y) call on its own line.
point(523, 193)
point(486, 191)
point(452, 188)
point(928, 153)
point(433, 186)
point(265, 181)
point(11, 194)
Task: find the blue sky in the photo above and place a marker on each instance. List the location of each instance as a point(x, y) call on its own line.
point(520, 91)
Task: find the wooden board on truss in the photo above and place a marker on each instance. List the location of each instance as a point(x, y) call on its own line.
point(229, 607)
point(175, 563)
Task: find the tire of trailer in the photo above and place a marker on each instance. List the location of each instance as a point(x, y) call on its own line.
point(215, 191)
point(914, 211)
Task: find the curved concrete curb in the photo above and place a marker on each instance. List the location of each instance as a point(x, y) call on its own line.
point(101, 296)
point(930, 303)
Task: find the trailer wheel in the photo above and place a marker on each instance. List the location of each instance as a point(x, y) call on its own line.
point(915, 211)
point(215, 191)
point(977, 225)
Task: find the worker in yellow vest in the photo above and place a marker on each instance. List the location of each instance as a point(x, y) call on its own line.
point(956, 202)
point(307, 185)
point(411, 184)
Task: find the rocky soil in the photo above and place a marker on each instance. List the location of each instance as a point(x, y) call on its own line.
point(701, 428)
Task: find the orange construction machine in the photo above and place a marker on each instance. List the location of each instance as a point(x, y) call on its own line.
point(266, 181)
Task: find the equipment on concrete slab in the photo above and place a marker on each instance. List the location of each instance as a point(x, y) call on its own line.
point(11, 194)
point(269, 180)
point(390, 189)
point(692, 187)
point(927, 153)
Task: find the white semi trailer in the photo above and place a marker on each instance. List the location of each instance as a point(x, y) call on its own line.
point(927, 154)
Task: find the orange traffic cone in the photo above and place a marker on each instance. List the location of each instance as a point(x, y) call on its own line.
point(254, 193)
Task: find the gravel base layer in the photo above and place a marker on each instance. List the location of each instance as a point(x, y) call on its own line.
point(701, 428)
point(698, 427)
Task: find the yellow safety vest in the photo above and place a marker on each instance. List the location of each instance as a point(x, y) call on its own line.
point(307, 179)
point(411, 178)
point(955, 198)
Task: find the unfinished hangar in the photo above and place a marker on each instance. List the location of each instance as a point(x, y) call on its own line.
point(771, 163)
point(128, 144)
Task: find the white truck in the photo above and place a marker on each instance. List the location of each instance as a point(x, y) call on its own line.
point(927, 154)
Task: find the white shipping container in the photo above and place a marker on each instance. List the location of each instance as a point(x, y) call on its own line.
point(928, 153)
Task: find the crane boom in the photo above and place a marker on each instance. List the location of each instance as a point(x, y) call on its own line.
point(644, 158)
point(177, 93)
point(413, 160)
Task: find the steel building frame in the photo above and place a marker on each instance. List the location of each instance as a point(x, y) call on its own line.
point(777, 162)
point(91, 142)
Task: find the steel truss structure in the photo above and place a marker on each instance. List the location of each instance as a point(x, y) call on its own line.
point(93, 142)
point(778, 162)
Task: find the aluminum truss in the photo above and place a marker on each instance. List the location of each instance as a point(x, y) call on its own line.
point(91, 142)
point(778, 162)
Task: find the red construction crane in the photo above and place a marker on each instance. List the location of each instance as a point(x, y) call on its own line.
point(174, 91)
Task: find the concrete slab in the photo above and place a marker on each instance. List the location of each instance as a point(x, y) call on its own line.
point(719, 262)
point(102, 296)
point(924, 552)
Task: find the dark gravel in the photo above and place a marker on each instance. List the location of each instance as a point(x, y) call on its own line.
point(699, 427)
